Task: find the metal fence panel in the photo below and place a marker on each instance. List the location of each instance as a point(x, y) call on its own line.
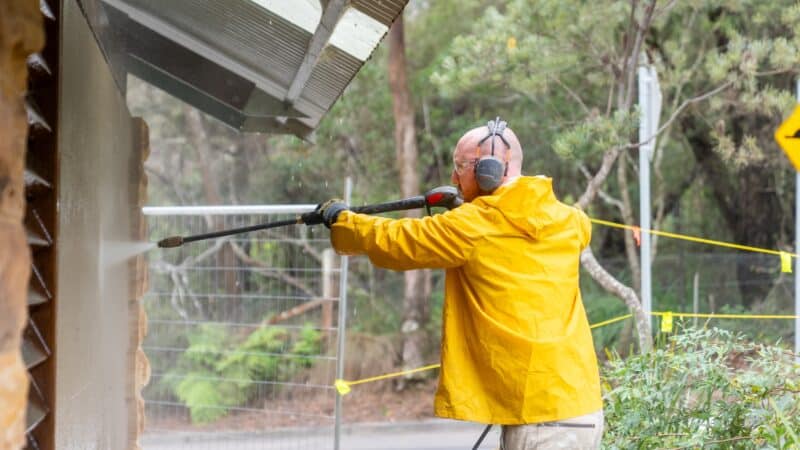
point(242, 333)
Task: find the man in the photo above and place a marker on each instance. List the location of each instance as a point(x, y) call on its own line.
point(516, 345)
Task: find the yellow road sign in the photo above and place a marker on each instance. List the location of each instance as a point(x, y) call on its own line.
point(788, 137)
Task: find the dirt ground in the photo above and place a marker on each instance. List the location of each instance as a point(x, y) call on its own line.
point(379, 402)
point(389, 405)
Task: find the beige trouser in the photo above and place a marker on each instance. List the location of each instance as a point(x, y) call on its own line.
point(577, 433)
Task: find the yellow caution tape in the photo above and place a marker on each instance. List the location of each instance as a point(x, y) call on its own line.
point(394, 374)
point(666, 322)
point(343, 387)
point(610, 321)
point(693, 239)
point(786, 262)
point(728, 316)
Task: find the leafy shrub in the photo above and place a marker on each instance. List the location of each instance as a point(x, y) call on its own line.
point(216, 372)
point(257, 357)
point(703, 388)
point(308, 344)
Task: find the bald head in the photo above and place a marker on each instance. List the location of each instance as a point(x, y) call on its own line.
point(467, 151)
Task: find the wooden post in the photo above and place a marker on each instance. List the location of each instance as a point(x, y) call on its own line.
point(138, 364)
point(21, 34)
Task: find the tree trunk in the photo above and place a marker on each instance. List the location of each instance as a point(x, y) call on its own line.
point(415, 304)
point(20, 34)
point(239, 184)
point(211, 188)
point(627, 295)
point(625, 89)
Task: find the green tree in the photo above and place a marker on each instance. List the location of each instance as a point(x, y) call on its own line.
point(563, 72)
point(576, 62)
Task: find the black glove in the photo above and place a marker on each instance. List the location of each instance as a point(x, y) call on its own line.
point(330, 210)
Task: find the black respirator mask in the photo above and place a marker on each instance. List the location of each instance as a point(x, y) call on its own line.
point(490, 170)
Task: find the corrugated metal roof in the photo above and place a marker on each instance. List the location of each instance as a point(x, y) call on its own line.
point(384, 11)
point(271, 45)
point(331, 75)
point(241, 29)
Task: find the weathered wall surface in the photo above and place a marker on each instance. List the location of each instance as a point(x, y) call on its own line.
point(20, 34)
point(100, 184)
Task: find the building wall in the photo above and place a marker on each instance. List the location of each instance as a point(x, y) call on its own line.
point(101, 153)
point(20, 34)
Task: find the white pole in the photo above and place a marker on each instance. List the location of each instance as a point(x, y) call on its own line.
point(645, 132)
point(341, 326)
point(227, 210)
point(797, 250)
point(650, 110)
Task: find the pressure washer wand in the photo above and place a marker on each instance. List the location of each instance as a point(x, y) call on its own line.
point(443, 196)
point(177, 241)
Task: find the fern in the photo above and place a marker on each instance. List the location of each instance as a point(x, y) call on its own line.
point(215, 373)
point(309, 344)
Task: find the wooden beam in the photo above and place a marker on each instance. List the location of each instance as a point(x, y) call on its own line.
point(327, 23)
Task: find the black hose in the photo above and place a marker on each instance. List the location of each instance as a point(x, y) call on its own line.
point(483, 435)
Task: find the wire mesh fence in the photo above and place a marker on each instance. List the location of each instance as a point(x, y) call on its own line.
point(242, 333)
point(689, 280)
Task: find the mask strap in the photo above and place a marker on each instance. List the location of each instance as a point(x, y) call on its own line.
point(507, 158)
point(496, 128)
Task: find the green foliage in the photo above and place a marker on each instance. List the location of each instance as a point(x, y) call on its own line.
point(555, 82)
point(595, 135)
point(256, 356)
point(703, 388)
point(757, 330)
point(308, 344)
point(600, 307)
point(197, 381)
point(216, 373)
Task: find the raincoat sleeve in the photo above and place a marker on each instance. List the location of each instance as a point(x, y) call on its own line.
point(441, 241)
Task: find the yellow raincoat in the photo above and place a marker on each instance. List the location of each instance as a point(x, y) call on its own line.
point(516, 344)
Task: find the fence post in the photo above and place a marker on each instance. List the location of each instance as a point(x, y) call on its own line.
point(341, 327)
